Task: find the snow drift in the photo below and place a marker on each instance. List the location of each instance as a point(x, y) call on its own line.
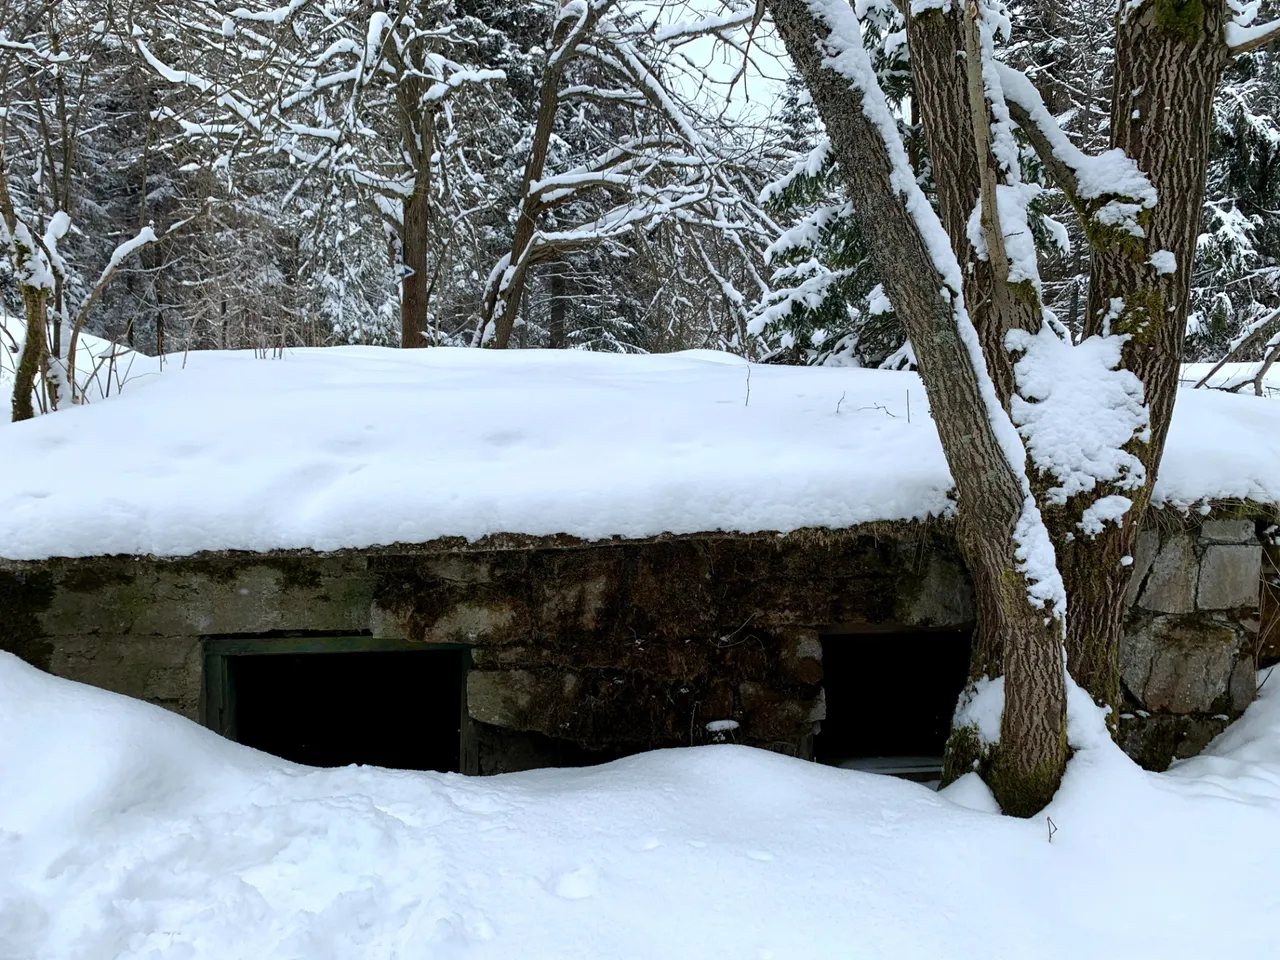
point(127, 832)
point(360, 446)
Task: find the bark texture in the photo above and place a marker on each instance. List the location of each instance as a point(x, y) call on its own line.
point(1169, 59)
point(413, 255)
point(559, 307)
point(417, 117)
point(1032, 751)
point(936, 40)
point(34, 354)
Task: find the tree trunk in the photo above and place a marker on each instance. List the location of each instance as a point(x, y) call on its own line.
point(502, 300)
point(416, 115)
point(936, 42)
point(34, 350)
point(947, 109)
point(559, 306)
point(1031, 755)
point(413, 285)
point(1169, 59)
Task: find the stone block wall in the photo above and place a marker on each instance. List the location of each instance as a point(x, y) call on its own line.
point(1189, 658)
point(677, 642)
point(136, 626)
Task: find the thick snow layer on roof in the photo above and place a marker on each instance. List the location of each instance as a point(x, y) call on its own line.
point(131, 833)
point(356, 447)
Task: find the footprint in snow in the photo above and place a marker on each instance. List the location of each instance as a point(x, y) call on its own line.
point(577, 884)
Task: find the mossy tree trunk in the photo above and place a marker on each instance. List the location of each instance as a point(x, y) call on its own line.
point(1169, 59)
point(35, 351)
point(1170, 55)
point(1023, 772)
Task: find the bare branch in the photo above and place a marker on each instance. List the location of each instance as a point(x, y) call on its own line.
point(1261, 331)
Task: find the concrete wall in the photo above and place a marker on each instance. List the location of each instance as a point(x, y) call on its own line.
point(136, 626)
point(613, 647)
point(629, 646)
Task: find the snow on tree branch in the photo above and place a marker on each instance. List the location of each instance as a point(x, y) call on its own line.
point(1242, 39)
point(1108, 189)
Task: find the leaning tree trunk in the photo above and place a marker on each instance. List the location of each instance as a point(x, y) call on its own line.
point(502, 301)
point(1031, 755)
point(1169, 59)
point(940, 93)
point(503, 298)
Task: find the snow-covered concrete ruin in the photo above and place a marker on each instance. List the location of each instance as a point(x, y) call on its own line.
point(482, 563)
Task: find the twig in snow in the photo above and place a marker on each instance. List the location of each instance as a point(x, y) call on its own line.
point(877, 406)
point(1261, 328)
point(1265, 367)
point(1264, 681)
point(1053, 828)
point(747, 401)
point(840, 401)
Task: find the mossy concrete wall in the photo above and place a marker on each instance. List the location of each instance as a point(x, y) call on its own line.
point(632, 645)
point(136, 626)
point(616, 647)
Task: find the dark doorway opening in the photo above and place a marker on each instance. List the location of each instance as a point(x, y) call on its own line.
point(401, 709)
point(890, 698)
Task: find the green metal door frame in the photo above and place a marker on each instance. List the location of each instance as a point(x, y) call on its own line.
point(217, 690)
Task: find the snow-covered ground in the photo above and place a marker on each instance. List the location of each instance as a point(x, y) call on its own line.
point(358, 446)
point(128, 832)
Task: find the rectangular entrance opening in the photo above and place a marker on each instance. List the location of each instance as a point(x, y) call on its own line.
point(890, 698)
point(400, 708)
